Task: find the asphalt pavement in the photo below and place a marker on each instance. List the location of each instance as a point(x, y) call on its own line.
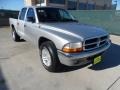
point(21, 69)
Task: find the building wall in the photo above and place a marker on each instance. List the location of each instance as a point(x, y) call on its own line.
point(93, 4)
point(30, 2)
point(44, 3)
point(106, 4)
point(102, 2)
point(74, 4)
point(57, 5)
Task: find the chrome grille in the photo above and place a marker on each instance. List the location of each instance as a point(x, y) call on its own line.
point(94, 43)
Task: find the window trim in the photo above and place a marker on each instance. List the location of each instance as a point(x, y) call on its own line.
point(24, 14)
point(34, 14)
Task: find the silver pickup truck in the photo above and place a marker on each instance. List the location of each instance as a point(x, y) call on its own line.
point(60, 38)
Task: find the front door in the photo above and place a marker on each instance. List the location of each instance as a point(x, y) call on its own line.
point(20, 22)
point(30, 25)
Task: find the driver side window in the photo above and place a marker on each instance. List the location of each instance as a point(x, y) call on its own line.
point(63, 14)
point(30, 15)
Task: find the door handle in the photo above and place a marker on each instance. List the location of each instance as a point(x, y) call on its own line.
point(25, 26)
point(18, 23)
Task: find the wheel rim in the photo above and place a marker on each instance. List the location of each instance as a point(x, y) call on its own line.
point(46, 58)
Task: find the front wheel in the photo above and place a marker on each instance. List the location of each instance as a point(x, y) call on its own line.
point(49, 57)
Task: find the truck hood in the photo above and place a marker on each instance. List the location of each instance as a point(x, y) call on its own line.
point(81, 31)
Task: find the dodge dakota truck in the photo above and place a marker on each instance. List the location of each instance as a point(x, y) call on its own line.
point(61, 39)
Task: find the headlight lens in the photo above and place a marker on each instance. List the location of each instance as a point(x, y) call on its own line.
point(73, 48)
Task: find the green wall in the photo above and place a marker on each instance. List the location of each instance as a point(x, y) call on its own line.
point(110, 20)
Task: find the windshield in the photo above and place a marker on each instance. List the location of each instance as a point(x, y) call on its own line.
point(54, 14)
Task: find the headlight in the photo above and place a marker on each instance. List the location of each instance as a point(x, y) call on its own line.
point(73, 48)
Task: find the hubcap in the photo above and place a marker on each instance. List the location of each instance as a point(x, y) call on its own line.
point(46, 58)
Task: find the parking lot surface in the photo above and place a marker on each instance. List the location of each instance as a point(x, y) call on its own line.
point(21, 69)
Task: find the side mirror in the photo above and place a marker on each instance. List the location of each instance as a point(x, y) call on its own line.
point(75, 19)
point(31, 19)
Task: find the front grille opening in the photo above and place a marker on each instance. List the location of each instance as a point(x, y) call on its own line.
point(90, 46)
point(102, 43)
point(103, 38)
point(91, 41)
point(94, 43)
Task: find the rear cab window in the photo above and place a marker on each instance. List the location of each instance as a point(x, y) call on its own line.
point(22, 14)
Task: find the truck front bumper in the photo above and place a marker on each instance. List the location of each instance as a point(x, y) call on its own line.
point(81, 58)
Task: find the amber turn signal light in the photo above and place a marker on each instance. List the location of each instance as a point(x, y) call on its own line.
point(72, 50)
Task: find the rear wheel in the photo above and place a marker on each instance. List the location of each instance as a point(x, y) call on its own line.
point(15, 36)
point(49, 57)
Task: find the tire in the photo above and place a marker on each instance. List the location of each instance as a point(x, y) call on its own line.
point(49, 56)
point(15, 36)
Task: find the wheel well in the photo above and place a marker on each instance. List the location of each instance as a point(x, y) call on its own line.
point(12, 27)
point(41, 40)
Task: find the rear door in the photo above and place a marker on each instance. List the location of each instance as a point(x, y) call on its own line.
point(21, 21)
